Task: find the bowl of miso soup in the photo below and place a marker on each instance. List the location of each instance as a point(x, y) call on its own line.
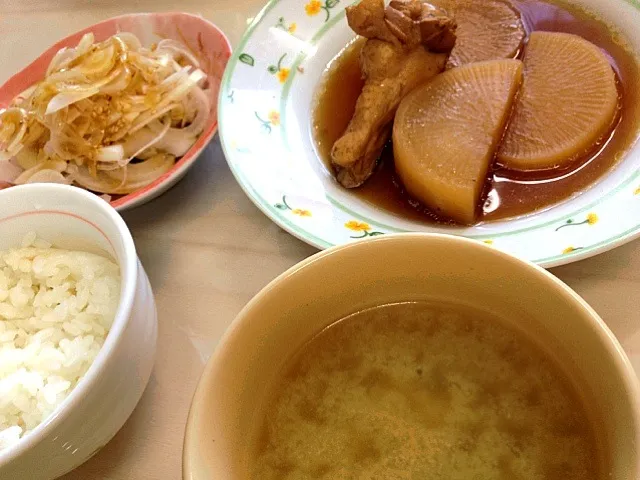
point(416, 356)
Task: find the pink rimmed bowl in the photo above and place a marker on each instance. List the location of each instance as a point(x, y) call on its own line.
point(206, 41)
point(105, 397)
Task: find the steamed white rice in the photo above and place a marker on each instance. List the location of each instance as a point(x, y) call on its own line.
point(56, 308)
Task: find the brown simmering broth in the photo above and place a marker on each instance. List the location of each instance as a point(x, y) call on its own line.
point(424, 391)
point(509, 193)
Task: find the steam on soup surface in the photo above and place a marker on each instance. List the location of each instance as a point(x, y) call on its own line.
point(413, 391)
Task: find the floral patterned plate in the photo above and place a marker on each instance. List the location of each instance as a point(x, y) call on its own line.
point(265, 106)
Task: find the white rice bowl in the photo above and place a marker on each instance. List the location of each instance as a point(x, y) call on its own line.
point(56, 309)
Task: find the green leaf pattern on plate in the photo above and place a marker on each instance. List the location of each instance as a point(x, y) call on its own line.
point(273, 120)
point(247, 59)
point(591, 219)
point(313, 7)
point(364, 228)
point(279, 70)
point(283, 205)
point(282, 25)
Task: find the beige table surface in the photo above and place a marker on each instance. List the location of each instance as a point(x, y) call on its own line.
point(208, 250)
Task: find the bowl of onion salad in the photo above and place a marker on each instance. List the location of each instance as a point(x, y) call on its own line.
point(122, 108)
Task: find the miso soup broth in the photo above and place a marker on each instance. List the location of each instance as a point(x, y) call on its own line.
point(417, 391)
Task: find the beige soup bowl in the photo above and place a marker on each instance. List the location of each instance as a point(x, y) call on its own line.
point(226, 412)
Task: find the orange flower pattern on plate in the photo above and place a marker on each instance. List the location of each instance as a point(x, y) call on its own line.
point(363, 227)
point(357, 226)
point(283, 74)
point(284, 206)
point(591, 219)
point(313, 7)
point(301, 212)
point(274, 118)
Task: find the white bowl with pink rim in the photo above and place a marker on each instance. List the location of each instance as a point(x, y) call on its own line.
point(104, 398)
point(207, 43)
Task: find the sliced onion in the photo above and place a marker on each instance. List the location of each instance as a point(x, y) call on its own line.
point(61, 59)
point(138, 176)
point(8, 171)
point(47, 176)
point(176, 78)
point(149, 117)
point(117, 84)
point(86, 42)
point(79, 83)
point(72, 115)
point(144, 172)
point(137, 140)
point(11, 120)
point(49, 149)
point(25, 94)
point(82, 125)
point(98, 63)
point(27, 158)
point(36, 132)
point(105, 167)
point(130, 40)
point(58, 166)
point(182, 88)
point(158, 136)
point(68, 79)
point(201, 100)
point(65, 55)
point(148, 153)
point(176, 47)
point(142, 62)
point(13, 127)
point(65, 148)
point(15, 146)
point(176, 141)
point(63, 100)
point(101, 105)
point(110, 154)
point(113, 118)
point(197, 77)
point(99, 183)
